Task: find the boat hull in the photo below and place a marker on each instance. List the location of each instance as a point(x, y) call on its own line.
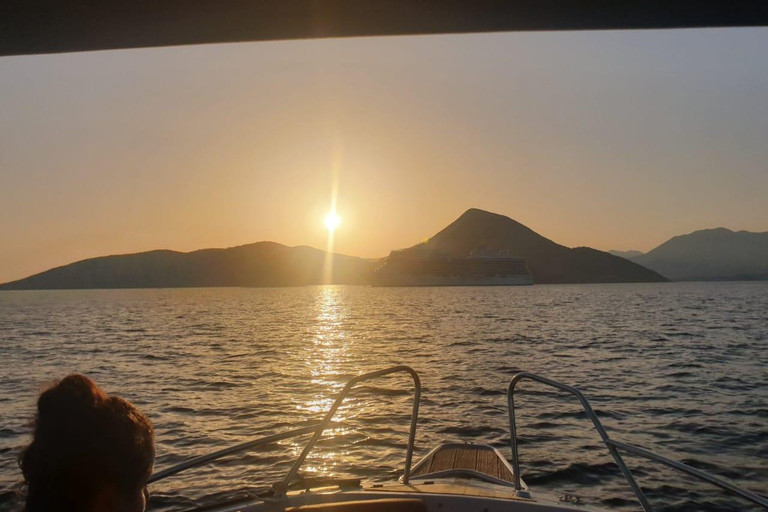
point(439, 495)
point(411, 280)
point(407, 269)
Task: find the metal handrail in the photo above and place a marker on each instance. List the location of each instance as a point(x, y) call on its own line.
point(282, 487)
point(703, 475)
point(613, 447)
point(317, 428)
point(197, 461)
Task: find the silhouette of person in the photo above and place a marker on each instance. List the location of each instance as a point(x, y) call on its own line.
point(90, 452)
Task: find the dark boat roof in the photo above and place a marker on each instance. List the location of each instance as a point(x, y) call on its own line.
point(53, 26)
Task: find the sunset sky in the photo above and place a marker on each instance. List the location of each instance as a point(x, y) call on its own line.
point(615, 140)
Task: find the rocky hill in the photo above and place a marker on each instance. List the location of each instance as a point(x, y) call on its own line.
point(711, 254)
point(259, 264)
point(548, 261)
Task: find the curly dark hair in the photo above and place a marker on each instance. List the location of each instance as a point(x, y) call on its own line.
point(84, 441)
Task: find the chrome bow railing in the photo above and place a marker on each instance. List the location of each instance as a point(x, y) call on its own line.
point(317, 429)
point(613, 447)
point(203, 459)
point(282, 487)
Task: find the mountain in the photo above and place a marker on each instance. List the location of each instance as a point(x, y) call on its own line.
point(548, 261)
point(625, 254)
point(711, 255)
point(259, 264)
point(273, 264)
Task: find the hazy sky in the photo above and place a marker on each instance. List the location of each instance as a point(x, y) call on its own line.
point(607, 139)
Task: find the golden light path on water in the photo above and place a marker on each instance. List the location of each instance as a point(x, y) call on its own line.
point(325, 356)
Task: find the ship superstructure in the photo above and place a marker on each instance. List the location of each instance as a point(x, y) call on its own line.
point(414, 268)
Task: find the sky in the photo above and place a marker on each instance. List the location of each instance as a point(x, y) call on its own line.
point(613, 140)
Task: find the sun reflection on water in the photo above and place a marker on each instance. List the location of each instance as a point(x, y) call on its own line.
point(325, 356)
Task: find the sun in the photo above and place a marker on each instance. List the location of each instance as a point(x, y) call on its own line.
point(332, 221)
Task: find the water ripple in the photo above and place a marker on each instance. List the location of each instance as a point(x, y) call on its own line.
point(681, 369)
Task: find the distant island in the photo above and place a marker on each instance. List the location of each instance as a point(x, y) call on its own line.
point(706, 255)
point(265, 264)
point(710, 255)
point(549, 262)
point(252, 265)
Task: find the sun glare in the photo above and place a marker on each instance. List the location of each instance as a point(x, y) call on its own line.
point(332, 221)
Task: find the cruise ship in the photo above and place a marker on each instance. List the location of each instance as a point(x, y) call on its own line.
point(409, 268)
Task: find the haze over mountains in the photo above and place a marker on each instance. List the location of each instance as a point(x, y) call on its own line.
point(625, 254)
point(715, 254)
point(272, 264)
point(710, 254)
point(259, 264)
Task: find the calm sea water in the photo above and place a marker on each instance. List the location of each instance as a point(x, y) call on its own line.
point(681, 369)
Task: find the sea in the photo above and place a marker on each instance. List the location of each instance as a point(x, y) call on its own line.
point(678, 368)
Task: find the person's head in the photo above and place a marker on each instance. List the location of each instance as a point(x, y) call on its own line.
point(90, 452)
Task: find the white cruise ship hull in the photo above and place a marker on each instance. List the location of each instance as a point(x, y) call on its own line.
point(431, 280)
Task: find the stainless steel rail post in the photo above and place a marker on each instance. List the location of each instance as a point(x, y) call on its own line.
point(703, 475)
point(282, 486)
point(197, 461)
point(614, 447)
point(592, 416)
